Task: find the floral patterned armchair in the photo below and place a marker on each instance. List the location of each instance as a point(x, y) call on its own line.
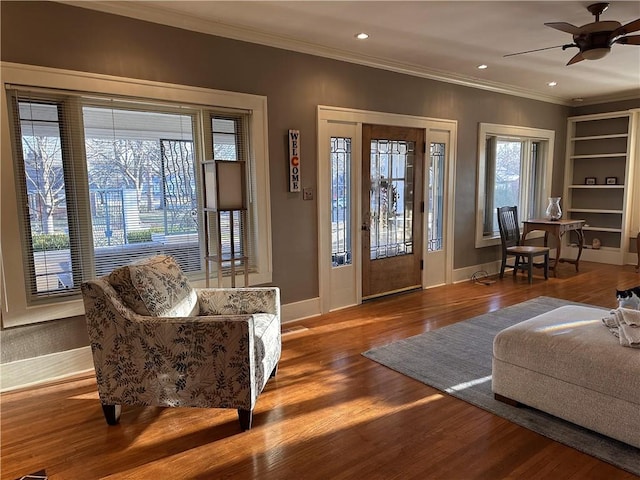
point(157, 341)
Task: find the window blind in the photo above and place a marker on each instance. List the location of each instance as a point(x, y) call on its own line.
point(103, 182)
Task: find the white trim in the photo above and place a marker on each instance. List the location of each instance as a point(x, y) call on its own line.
point(45, 368)
point(339, 286)
point(464, 274)
point(300, 310)
point(438, 135)
point(15, 310)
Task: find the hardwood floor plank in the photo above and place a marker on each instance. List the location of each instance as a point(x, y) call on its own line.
point(329, 414)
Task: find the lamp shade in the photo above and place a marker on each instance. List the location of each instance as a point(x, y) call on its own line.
point(225, 185)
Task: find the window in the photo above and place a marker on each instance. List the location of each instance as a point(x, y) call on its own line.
point(435, 200)
point(101, 180)
point(391, 198)
point(340, 201)
point(514, 168)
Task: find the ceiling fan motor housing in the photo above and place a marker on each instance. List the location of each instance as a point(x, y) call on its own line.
point(595, 39)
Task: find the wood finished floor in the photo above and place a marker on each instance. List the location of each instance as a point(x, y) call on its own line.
point(329, 414)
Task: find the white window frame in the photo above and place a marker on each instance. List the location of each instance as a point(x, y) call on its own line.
point(547, 138)
point(13, 302)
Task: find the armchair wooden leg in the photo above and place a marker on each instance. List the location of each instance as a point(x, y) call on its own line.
point(112, 413)
point(245, 417)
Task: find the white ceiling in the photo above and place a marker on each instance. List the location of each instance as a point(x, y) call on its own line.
point(444, 40)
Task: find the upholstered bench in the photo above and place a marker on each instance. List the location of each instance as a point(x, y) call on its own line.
point(566, 362)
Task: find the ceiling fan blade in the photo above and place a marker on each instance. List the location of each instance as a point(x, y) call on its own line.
point(564, 27)
point(577, 58)
point(537, 50)
point(628, 28)
point(630, 40)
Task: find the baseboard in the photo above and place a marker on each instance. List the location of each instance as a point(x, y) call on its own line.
point(465, 274)
point(491, 268)
point(45, 368)
point(299, 310)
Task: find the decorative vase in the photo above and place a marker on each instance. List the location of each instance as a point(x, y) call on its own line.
point(553, 210)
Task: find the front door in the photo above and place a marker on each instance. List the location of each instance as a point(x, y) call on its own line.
point(392, 169)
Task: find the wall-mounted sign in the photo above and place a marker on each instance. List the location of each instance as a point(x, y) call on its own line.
point(294, 160)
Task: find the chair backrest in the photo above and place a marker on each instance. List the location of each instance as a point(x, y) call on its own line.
point(509, 227)
point(155, 286)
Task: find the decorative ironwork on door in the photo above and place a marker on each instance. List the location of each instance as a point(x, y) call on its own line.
point(341, 253)
point(391, 198)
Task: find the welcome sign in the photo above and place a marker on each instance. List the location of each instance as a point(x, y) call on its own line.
point(294, 160)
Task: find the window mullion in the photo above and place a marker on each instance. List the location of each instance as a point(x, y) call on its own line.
point(76, 179)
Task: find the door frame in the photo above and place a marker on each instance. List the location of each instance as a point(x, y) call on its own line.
point(327, 117)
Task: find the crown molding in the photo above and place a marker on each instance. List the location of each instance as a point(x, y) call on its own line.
point(141, 11)
point(618, 97)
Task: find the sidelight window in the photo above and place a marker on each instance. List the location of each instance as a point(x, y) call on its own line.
point(340, 201)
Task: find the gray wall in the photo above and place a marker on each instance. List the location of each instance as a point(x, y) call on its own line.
point(63, 36)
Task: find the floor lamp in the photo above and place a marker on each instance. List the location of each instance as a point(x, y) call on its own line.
point(225, 195)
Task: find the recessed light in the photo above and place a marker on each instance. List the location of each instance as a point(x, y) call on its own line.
point(362, 36)
point(482, 67)
point(552, 84)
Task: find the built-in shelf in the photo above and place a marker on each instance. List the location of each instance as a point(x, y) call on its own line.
point(590, 247)
point(591, 228)
point(594, 210)
point(599, 155)
point(600, 137)
point(599, 149)
point(596, 186)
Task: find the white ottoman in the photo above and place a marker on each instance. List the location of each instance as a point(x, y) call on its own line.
point(566, 362)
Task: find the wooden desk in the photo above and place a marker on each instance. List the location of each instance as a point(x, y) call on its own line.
point(557, 228)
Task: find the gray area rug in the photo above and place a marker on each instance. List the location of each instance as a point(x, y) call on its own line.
point(457, 360)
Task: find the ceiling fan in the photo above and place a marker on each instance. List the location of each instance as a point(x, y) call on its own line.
point(594, 39)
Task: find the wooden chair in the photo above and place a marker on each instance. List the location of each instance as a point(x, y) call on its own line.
point(511, 245)
point(638, 250)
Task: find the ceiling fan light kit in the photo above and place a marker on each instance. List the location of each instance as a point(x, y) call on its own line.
point(594, 40)
point(595, 53)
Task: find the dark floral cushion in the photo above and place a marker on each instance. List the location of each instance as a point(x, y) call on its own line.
point(155, 287)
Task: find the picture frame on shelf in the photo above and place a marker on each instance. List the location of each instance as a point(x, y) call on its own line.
point(611, 180)
point(590, 180)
